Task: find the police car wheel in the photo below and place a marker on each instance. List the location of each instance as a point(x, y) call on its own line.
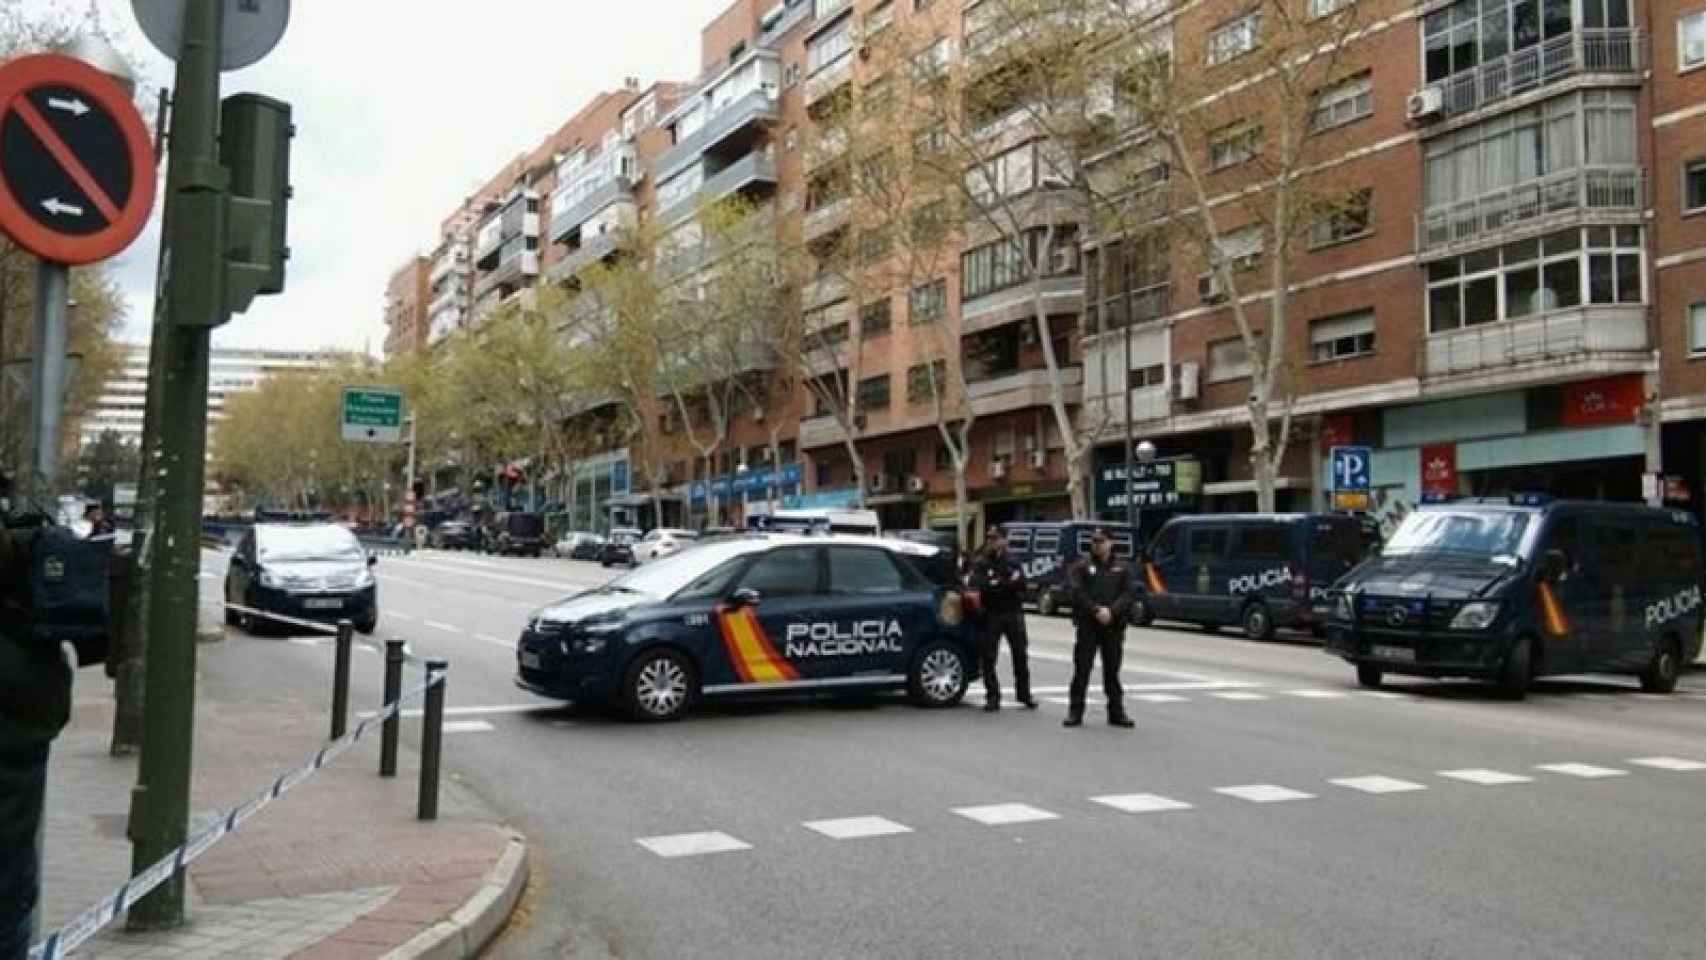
point(1518, 670)
point(660, 686)
point(1258, 623)
point(1660, 675)
point(1047, 605)
point(1369, 675)
point(1141, 614)
point(939, 676)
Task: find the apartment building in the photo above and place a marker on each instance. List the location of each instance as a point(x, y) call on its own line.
point(1512, 295)
point(406, 320)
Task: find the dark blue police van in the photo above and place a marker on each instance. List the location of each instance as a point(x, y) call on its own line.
point(1262, 571)
point(754, 614)
point(1045, 551)
point(1511, 590)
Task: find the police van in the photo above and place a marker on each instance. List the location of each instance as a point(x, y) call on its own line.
point(761, 613)
point(1507, 591)
point(1046, 551)
point(1262, 571)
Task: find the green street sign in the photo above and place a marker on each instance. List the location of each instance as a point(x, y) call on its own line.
point(373, 414)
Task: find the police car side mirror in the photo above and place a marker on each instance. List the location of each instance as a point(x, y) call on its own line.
point(745, 597)
point(373, 559)
point(1554, 565)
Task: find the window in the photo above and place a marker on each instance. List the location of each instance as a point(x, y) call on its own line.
point(1006, 263)
point(830, 46)
point(1694, 186)
point(1166, 544)
point(1467, 34)
point(1344, 102)
point(931, 65)
point(1322, 8)
point(713, 583)
point(901, 462)
point(1352, 220)
point(832, 334)
point(874, 319)
point(1264, 540)
point(925, 380)
point(1235, 38)
point(790, 76)
point(1691, 41)
point(863, 572)
point(1697, 328)
point(929, 302)
point(1154, 375)
point(1048, 542)
point(944, 457)
point(1346, 335)
point(1593, 128)
point(1232, 145)
point(783, 573)
point(1241, 248)
point(1009, 174)
point(874, 393)
point(879, 18)
point(1208, 543)
point(1228, 360)
point(1562, 270)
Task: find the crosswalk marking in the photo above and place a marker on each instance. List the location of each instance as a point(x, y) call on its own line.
point(1001, 814)
point(1382, 695)
point(1141, 803)
point(1318, 694)
point(1377, 784)
point(467, 726)
point(447, 628)
point(1264, 793)
point(1238, 695)
point(857, 828)
point(1160, 698)
point(1586, 771)
point(692, 844)
point(1485, 777)
point(1676, 764)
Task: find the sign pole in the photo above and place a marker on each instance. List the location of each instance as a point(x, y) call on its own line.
point(47, 380)
point(195, 303)
point(409, 505)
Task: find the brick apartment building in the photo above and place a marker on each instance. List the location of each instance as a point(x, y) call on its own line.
point(406, 308)
point(1519, 302)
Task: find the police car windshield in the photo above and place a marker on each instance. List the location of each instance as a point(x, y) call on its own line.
point(663, 578)
point(327, 542)
point(1491, 535)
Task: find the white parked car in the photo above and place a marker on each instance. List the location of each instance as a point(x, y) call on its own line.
point(662, 542)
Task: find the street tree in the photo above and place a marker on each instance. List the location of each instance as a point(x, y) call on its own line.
point(106, 463)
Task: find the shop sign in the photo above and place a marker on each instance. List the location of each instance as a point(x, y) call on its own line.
point(841, 499)
point(1164, 483)
point(1605, 401)
point(942, 508)
point(1352, 500)
point(1338, 430)
point(1439, 472)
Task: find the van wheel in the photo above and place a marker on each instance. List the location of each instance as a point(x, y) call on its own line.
point(938, 676)
point(1370, 676)
point(1047, 605)
point(1142, 615)
point(1660, 675)
point(1518, 671)
point(661, 684)
point(1258, 622)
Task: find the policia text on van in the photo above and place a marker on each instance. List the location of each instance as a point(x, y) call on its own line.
point(1510, 591)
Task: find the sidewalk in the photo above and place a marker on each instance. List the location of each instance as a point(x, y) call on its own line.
point(337, 869)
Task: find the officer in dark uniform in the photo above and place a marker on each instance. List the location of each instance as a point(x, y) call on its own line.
point(1002, 586)
point(1101, 588)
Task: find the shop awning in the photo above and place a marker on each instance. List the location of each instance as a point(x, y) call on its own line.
point(1231, 488)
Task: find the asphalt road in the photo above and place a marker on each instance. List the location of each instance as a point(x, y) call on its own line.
point(1264, 807)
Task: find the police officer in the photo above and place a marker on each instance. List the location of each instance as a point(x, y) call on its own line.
point(1101, 598)
point(1002, 586)
point(99, 524)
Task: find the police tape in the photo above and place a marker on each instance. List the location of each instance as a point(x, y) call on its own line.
point(281, 618)
point(75, 933)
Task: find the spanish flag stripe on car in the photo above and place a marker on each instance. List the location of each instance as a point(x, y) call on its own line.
point(1153, 576)
point(1552, 613)
point(754, 657)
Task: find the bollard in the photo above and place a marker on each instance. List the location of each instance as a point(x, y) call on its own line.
point(432, 740)
point(393, 723)
point(340, 679)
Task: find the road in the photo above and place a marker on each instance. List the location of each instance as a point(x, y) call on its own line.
point(1264, 806)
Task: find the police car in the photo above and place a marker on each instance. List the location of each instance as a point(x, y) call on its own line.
point(755, 614)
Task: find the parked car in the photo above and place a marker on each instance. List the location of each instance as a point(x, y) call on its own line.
point(306, 571)
point(578, 545)
point(520, 534)
point(618, 547)
point(455, 535)
point(662, 542)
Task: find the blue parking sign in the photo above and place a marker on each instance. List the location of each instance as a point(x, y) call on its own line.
point(1351, 468)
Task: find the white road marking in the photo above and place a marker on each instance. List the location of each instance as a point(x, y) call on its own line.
point(488, 638)
point(441, 626)
point(1067, 701)
point(1000, 814)
point(367, 648)
point(1586, 771)
point(1669, 763)
point(692, 844)
point(1238, 695)
point(1318, 694)
point(1382, 695)
point(857, 828)
point(468, 726)
point(523, 581)
point(400, 616)
point(1264, 793)
point(1485, 777)
point(1377, 784)
point(1160, 698)
point(309, 641)
point(1194, 681)
point(1141, 803)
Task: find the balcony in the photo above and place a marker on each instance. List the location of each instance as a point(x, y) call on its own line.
point(1558, 200)
point(824, 290)
point(818, 432)
point(494, 242)
point(453, 294)
point(565, 222)
point(1145, 305)
point(1062, 294)
point(740, 116)
point(1600, 338)
point(828, 146)
point(456, 261)
point(758, 167)
point(827, 219)
point(511, 272)
point(1579, 52)
point(828, 80)
point(1022, 391)
point(590, 251)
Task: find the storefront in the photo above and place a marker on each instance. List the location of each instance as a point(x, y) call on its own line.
point(1023, 502)
point(592, 483)
point(942, 514)
point(737, 493)
point(1156, 490)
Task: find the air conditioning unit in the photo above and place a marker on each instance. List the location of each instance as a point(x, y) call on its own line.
point(916, 485)
point(1039, 459)
point(1425, 104)
point(1209, 288)
point(1187, 382)
point(997, 469)
point(879, 482)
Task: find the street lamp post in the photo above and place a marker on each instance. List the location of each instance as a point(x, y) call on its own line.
point(1144, 454)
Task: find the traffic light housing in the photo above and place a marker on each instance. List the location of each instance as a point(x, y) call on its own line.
point(254, 147)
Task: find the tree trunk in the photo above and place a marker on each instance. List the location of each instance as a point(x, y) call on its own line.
point(1056, 383)
point(960, 498)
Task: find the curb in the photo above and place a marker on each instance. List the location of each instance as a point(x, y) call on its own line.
point(477, 921)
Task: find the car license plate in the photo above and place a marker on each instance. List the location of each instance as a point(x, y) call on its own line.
point(530, 660)
point(323, 603)
point(1392, 653)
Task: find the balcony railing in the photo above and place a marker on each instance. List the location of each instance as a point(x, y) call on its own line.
point(508, 273)
point(1608, 50)
point(825, 289)
point(569, 219)
point(1535, 204)
point(998, 307)
point(1145, 305)
point(755, 167)
point(829, 79)
point(756, 107)
point(819, 432)
point(1022, 389)
point(456, 261)
point(1598, 331)
point(591, 250)
point(827, 218)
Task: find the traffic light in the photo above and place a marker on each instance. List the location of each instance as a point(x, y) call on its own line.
point(254, 146)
